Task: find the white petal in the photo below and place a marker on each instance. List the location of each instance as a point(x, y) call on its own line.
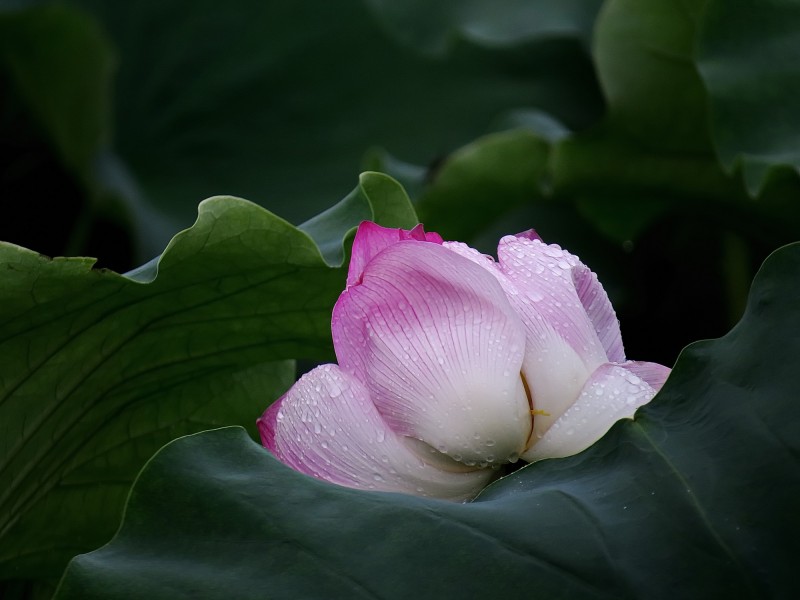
point(555, 322)
point(327, 426)
point(555, 375)
point(611, 393)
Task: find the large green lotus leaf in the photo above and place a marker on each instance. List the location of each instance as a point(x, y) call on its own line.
point(746, 55)
point(694, 498)
point(278, 101)
point(99, 370)
point(433, 27)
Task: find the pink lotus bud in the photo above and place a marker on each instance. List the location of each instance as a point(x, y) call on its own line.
point(451, 364)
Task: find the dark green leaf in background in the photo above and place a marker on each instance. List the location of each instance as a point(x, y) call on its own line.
point(748, 55)
point(482, 181)
point(644, 55)
point(61, 63)
point(249, 102)
point(434, 27)
point(99, 370)
point(695, 498)
point(56, 68)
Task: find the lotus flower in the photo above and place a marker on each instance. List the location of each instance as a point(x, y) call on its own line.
point(451, 364)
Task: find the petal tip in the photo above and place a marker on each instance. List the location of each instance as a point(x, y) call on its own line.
point(372, 238)
point(529, 234)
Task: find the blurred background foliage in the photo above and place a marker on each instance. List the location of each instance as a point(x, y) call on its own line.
point(656, 139)
point(659, 140)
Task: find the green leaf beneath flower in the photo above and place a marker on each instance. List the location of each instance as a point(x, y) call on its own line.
point(695, 497)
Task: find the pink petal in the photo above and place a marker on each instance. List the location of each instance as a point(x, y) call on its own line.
point(436, 341)
point(598, 307)
point(326, 426)
point(654, 374)
point(571, 326)
point(529, 234)
point(418, 233)
point(612, 392)
point(372, 238)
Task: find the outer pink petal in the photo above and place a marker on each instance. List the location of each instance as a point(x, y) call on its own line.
point(327, 426)
point(436, 341)
point(612, 392)
point(599, 310)
point(372, 238)
point(653, 373)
